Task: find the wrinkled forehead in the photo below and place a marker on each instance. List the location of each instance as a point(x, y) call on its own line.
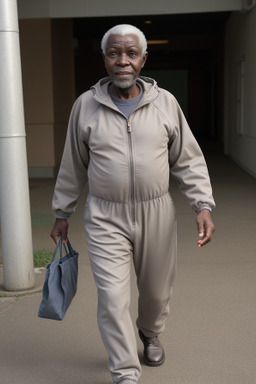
point(123, 41)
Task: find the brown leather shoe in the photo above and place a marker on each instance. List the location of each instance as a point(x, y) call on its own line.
point(153, 350)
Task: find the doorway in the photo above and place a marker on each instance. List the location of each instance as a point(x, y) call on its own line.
point(190, 64)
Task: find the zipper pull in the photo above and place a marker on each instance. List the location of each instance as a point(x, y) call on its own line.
point(129, 126)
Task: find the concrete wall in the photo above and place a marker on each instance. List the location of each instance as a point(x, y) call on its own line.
point(240, 136)
point(48, 86)
point(88, 8)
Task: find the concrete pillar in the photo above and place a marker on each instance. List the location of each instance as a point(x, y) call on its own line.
point(15, 217)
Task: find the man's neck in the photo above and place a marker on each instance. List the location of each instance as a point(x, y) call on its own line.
point(128, 93)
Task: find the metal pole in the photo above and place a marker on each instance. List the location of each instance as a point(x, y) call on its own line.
point(15, 217)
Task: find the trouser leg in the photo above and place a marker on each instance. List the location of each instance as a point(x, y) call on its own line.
point(155, 255)
point(110, 257)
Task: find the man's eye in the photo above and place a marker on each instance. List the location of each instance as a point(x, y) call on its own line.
point(132, 54)
point(112, 54)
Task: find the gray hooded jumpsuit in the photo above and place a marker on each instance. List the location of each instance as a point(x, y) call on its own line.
point(129, 211)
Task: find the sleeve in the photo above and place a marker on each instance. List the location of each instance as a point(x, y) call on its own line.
point(72, 176)
point(187, 164)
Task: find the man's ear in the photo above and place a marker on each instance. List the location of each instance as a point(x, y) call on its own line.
point(104, 61)
point(144, 59)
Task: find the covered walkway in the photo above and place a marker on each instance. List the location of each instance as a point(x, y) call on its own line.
point(211, 332)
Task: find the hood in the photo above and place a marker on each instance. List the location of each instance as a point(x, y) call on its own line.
point(149, 86)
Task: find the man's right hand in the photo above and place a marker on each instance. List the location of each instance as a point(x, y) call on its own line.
point(60, 228)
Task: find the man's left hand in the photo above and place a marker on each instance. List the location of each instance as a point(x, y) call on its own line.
point(205, 227)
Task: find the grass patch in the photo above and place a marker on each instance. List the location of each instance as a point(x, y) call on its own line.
point(42, 257)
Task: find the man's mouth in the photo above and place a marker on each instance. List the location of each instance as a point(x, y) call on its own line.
point(123, 74)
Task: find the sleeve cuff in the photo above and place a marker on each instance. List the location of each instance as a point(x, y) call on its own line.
point(202, 206)
point(62, 215)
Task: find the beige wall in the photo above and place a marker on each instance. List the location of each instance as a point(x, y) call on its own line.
point(48, 86)
point(241, 43)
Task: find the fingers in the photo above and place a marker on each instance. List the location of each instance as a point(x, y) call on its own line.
point(60, 228)
point(204, 241)
point(205, 226)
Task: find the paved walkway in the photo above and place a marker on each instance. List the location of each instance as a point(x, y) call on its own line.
point(211, 332)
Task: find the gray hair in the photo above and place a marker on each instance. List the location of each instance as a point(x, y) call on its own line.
point(125, 29)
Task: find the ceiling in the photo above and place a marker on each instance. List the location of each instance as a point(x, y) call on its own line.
point(157, 26)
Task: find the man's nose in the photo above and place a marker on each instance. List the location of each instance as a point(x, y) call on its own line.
point(123, 59)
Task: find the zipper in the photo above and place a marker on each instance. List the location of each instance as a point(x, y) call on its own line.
point(132, 172)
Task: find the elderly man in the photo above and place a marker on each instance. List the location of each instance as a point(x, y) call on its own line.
point(125, 134)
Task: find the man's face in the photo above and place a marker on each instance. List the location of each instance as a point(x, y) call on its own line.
point(124, 59)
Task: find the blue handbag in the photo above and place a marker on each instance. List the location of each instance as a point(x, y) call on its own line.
point(60, 283)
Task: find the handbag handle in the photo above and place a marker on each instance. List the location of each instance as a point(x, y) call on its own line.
point(59, 246)
point(71, 250)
